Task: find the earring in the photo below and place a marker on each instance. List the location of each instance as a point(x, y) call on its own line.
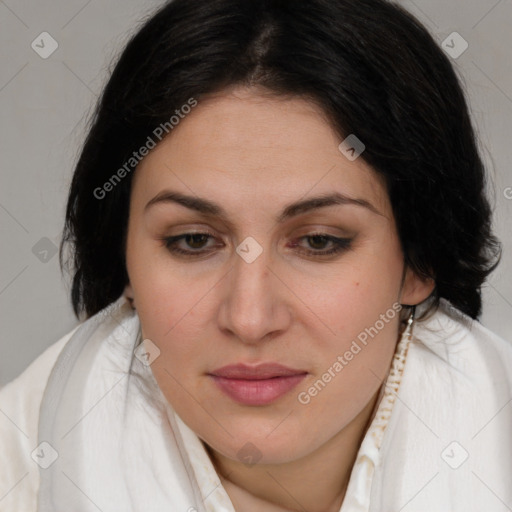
point(410, 323)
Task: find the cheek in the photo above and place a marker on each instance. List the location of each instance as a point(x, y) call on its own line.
point(361, 310)
point(352, 361)
point(355, 297)
point(174, 314)
point(172, 308)
point(163, 295)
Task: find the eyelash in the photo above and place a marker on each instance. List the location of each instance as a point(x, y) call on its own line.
point(340, 244)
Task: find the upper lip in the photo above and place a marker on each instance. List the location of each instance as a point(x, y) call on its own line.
point(258, 372)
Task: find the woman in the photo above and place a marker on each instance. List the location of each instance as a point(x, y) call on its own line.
point(278, 237)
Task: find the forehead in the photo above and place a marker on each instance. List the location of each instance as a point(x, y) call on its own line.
point(246, 148)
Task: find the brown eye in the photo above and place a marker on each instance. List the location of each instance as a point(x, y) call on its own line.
point(195, 241)
point(318, 241)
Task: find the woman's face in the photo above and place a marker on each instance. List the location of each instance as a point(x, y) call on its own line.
point(275, 276)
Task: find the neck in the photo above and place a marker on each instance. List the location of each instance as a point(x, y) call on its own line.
point(282, 486)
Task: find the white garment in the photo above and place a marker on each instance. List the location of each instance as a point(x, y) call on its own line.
point(441, 439)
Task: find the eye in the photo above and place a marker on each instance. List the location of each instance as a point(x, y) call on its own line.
point(319, 240)
point(193, 240)
point(196, 242)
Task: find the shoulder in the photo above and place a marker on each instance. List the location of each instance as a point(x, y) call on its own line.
point(457, 363)
point(20, 401)
point(458, 343)
point(451, 414)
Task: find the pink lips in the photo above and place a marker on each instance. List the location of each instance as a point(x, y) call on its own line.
point(256, 385)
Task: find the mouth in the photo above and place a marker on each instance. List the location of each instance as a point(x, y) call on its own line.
point(256, 385)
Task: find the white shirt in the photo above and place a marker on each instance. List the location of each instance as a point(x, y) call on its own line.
point(441, 438)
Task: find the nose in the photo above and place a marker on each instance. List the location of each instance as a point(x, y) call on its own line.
point(254, 306)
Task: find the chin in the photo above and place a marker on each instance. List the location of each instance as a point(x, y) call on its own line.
point(252, 447)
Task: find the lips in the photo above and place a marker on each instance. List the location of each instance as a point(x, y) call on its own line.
point(256, 385)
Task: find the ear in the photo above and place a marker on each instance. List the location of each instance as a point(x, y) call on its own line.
point(415, 289)
point(128, 293)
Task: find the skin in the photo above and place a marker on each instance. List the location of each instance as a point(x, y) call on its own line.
point(253, 154)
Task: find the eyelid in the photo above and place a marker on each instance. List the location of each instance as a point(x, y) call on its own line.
point(340, 244)
point(303, 232)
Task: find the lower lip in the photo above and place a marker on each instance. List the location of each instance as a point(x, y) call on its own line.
point(257, 392)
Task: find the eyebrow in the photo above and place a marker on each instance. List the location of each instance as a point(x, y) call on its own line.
point(209, 208)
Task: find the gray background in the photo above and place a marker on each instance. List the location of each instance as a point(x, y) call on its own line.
point(45, 103)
